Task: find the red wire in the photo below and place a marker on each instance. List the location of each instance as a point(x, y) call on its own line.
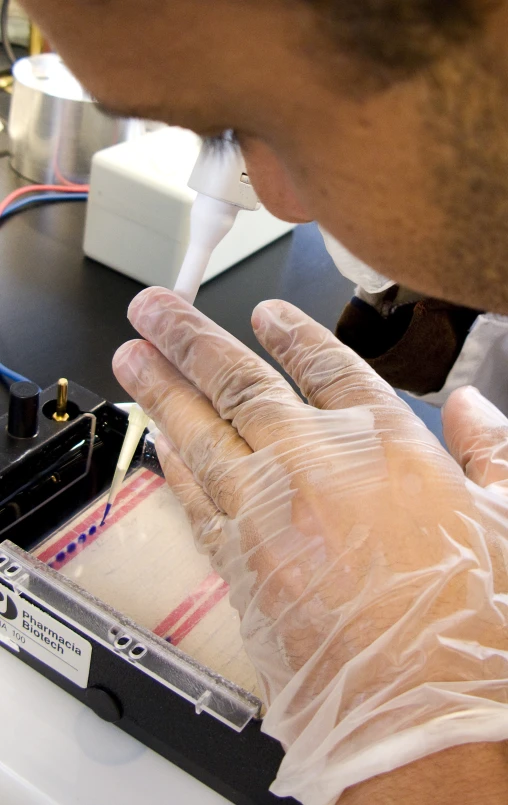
point(61, 179)
point(37, 188)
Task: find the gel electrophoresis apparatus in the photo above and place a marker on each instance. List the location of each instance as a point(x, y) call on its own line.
point(128, 619)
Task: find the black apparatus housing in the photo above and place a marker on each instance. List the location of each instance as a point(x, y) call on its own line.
point(151, 690)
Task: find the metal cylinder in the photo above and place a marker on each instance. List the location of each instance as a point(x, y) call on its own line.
point(55, 127)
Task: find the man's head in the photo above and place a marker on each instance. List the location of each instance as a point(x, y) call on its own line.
point(386, 120)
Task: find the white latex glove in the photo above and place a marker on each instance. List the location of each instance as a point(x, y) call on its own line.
point(369, 571)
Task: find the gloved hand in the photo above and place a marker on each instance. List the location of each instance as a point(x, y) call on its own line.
point(369, 571)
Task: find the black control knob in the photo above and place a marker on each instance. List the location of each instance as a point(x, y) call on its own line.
point(23, 410)
point(104, 704)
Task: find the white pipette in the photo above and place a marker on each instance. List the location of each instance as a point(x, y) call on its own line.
point(138, 422)
point(210, 222)
point(223, 189)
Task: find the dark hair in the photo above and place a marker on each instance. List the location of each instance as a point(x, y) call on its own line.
point(403, 35)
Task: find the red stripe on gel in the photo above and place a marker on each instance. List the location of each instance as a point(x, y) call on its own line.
point(199, 614)
point(187, 604)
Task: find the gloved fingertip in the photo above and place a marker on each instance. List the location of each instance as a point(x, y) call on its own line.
point(151, 297)
point(124, 352)
point(471, 423)
point(451, 403)
point(257, 319)
point(471, 393)
point(274, 314)
point(131, 360)
point(470, 404)
point(138, 301)
point(262, 314)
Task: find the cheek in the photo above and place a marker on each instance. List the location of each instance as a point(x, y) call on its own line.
point(272, 182)
point(367, 173)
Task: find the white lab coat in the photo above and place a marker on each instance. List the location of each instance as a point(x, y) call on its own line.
point(483, 363)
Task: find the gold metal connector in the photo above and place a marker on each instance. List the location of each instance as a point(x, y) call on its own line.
point(36, 41)
point(61, 414)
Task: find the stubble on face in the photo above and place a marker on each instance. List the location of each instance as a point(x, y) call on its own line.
point(467, 146)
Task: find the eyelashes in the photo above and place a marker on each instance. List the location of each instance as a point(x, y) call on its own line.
point(222, 142)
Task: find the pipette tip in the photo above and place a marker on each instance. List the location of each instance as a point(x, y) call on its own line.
point(109, 506)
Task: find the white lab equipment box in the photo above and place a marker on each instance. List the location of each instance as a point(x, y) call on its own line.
point(138, 213)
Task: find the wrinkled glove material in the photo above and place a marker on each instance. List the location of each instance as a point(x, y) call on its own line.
point(369, 566)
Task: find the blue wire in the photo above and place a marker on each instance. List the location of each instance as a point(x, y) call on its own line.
point(10, 374)
point(7, 374)
point(41, 199)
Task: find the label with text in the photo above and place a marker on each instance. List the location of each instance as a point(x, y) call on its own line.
point(36, 632)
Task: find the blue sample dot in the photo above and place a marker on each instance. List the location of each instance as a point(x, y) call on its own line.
point(168, 639)
point(92, 530)
point(60, 556)
point(71, 548)
point(82, 538)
